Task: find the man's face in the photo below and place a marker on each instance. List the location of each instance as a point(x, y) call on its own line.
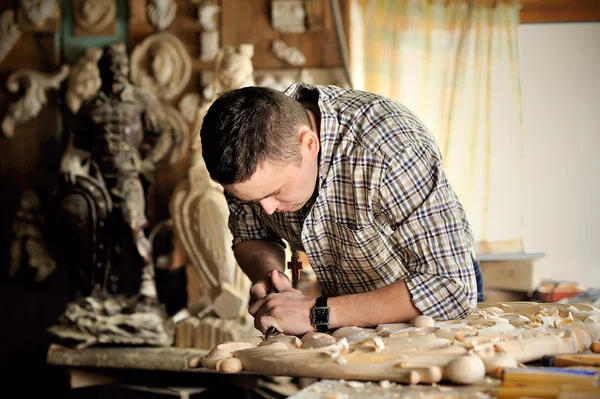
point(279, 188)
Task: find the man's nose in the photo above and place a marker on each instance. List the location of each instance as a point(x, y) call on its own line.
point(269, 205)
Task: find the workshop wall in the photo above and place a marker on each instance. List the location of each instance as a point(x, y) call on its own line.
point(31, 158)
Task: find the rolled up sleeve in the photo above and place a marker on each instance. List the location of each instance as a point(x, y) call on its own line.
point(430, 233)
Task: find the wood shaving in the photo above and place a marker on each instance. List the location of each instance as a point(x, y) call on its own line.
point(356, 384)
point(385, 384)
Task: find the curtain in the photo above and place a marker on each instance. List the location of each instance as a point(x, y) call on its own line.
point(455, 65)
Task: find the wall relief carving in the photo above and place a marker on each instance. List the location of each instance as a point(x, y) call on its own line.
point(94, 16)
point(31, 103)
point(161, 13)
point(9, 33)
point(161, 64)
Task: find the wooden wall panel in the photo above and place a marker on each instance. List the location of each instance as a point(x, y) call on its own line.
point(250, 22)
point(550, 11)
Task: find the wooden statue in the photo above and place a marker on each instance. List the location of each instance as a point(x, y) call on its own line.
point(118, 137)
point(200, 214)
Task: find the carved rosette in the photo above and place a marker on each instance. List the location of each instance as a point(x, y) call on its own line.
point(94, 16)
point(30, 105)
point(161, 64)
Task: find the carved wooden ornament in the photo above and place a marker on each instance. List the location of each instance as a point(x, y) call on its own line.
point(30, 105)
point(38, 11)
point(288, 16)
point(200, 215)
point(9, 33)
point(84, 79)
point(161, 64)
point(289, 55)
point(180, 131)
point(94, 16)
point(161, 13)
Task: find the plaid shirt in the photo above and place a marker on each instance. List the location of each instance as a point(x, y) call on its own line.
point(383, 209)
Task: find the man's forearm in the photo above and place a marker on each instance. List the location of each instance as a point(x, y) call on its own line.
point(258, 257)
point(390, 304)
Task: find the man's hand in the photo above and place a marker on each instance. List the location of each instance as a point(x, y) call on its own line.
point(284, 308)
point(263, 287)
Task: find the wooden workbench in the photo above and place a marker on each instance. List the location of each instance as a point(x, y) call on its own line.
point(155, 370)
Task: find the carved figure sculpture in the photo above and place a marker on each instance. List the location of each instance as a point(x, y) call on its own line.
point(38, 11)
point(84, 80)
point(200, 214)
point(28, 254)
point(289, 55)
point(30, 105)
point(209, 38)
point(94, 16)
point(162, 64)
point(119, 135)
point(9, 33)
point(161, 13)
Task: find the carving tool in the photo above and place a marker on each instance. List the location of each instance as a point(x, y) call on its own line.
point(549, 376)
point(592, 360)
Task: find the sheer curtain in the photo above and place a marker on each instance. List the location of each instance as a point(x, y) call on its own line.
point(455, 64)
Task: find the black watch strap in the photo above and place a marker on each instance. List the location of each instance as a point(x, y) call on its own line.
point(320, 315)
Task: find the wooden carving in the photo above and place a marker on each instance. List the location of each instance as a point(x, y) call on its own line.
point(122, 132)
point(209, 37)
point(458, 351)
point(94, 16)
point(180, 131)
point(28, 254)
point(161, 64)
point(9, 33)
point(200, 213)
point(84, 79)
point(161, 13)
point(189, 106)
point(38, 11)
point(288, 16)
point(30, 105)
point(118, 136)
point(289, 55)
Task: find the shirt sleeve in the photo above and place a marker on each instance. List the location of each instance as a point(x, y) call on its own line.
point(430, 233)
point(246, 224)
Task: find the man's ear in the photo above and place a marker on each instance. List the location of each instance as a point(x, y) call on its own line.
point(309, 141)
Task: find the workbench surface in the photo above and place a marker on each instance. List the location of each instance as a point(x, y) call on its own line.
point(340, 389)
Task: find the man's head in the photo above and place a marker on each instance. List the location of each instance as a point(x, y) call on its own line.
point(114, 68)
point(259, 144)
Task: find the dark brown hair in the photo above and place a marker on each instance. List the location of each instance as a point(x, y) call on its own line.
point(247, 126)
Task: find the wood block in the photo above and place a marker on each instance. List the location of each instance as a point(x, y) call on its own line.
point(514, 272)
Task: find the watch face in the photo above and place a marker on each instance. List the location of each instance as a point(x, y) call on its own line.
point(320, 315)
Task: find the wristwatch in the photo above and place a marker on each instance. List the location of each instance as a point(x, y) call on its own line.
point(320, 316)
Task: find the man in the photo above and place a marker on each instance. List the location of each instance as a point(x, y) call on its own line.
point(356, 181)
